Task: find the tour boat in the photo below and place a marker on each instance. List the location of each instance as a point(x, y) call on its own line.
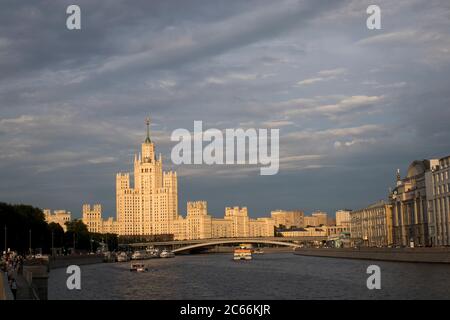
point(242, 253)
point(167, 254)
point(138, 267)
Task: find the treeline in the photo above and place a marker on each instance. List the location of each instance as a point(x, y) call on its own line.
point(24, 227)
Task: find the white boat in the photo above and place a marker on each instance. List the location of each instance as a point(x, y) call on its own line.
point(152, 253)
point(138, 267)
point(139, 255)
point(167, 254)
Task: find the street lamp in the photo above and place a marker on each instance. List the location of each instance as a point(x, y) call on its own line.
point(30, 242)
point(6, 246)
point(53, 247)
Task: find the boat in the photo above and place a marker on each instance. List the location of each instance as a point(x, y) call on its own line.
point(123, 257)
point(152, 253)
point(109, 257)
point(242, 253)
point(138, 267)
point(166, 254)
point(258, 251)
point(139, 255)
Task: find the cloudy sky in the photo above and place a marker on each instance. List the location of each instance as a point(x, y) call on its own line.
point(352, 104)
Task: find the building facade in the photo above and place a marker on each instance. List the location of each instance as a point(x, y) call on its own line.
point(288, 219)
point(236, 223)
point(92, 218)
point(438, 197)
point(59, 216)
point(343, 218)
point(310, 221)
point(409, 201)
point(322, 217)
point(372, 226)
point(305, 232)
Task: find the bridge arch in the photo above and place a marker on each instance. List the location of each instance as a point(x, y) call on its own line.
point(217, 242)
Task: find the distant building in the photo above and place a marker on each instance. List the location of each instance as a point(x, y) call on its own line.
point(372, 226)
point(92, 218)
point(305, 232)
point(337, 230)
point(235, 224)
point(288, 219)
point(59, 216)
point(410, 209)
point(343, 218)
point(322, 217)
point(311, 221)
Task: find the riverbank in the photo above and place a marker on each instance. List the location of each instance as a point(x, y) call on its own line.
point(65, 261)
point(422, 255)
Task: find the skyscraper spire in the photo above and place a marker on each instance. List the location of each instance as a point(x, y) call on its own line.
point(147, 121)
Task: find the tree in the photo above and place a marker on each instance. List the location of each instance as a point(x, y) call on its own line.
point(77, 236)
point(56, 235)
point(19, 220)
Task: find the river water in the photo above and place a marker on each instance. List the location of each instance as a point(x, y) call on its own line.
point(267, 276)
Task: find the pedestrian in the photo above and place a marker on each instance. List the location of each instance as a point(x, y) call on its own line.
point(14, 288)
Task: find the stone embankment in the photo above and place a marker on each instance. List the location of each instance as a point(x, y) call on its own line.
point(425, 255)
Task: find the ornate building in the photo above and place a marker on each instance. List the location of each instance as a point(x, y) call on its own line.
point(409, 201)
point(150, 206)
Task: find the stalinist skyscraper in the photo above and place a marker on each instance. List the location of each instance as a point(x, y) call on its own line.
point(150, 205)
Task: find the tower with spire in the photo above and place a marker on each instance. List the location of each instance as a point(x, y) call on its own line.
point(151, 204)
point(399, 178)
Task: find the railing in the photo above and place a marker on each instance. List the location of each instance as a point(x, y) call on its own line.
point(5, 290)
point(31, 287)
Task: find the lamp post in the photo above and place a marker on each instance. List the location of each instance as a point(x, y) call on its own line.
point(74, 242)
point(6, 239)
point(53, 247)
point(29, 238)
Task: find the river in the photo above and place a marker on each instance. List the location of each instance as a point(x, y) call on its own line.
point(267, 276)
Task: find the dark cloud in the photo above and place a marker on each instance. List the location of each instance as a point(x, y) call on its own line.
point(352, 104)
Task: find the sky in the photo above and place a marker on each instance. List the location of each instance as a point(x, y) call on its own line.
point(352, 104)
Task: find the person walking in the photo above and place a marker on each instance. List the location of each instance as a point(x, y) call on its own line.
point(14, 288)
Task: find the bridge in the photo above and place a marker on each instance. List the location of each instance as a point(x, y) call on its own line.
point(178, 246)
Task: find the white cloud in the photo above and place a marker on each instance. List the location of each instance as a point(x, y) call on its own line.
point(323, 75)
point(344, 105)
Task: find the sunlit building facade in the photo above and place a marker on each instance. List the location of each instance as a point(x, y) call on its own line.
point(372, 226)
point(288, 218)
point(58, 216)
